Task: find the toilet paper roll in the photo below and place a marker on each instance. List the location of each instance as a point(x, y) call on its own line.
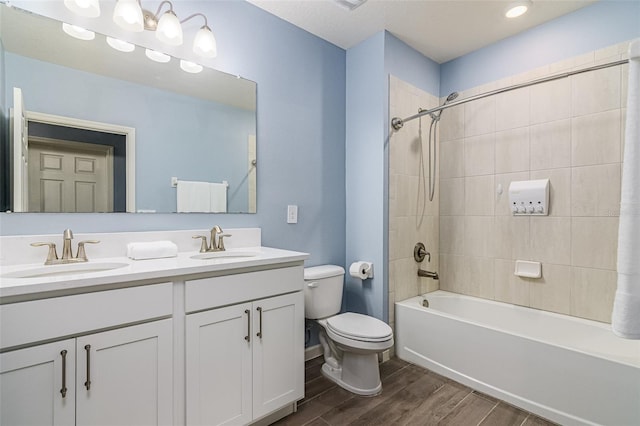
point(361, 270)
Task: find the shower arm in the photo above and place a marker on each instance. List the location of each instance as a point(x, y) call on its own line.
point(397, 122)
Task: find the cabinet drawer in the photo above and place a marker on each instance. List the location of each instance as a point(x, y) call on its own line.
point(38, 320)
point(212, 292)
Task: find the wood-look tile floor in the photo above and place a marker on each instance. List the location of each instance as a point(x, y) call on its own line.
point(411, 395)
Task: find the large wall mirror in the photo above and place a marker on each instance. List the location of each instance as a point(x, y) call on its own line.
point(88, 128)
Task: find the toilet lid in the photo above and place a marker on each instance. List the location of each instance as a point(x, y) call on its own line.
point(359, 327)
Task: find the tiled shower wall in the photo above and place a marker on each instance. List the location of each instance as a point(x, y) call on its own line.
point(412, 218)
point(570, 131)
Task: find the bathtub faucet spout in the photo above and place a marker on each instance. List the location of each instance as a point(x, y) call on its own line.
point(428, 274)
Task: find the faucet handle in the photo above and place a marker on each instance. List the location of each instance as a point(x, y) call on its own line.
point(51, 255)
point(203, 244)
point(82, 255)
point(221, 241)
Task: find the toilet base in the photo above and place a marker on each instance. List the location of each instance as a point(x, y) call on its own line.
point(358, 373)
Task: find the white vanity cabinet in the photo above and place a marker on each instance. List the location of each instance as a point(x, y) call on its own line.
point(245, 360)
point(122, 376)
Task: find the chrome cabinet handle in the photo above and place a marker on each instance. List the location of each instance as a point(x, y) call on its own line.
point(63, 391)
point(248, 336)
point(87, 384)
point(259, 334)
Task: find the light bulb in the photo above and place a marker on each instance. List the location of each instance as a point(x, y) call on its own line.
point(517, 9)
point(78, 32)
point(86, 8)
point(120, 45)
point(169, 29)
point(190, 67)
point(128, 15)
point(204, 44)
point(154, 55)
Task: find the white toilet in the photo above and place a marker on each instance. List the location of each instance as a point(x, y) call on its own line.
point(351, 342)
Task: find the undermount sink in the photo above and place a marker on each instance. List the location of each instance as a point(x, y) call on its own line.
point(65, 269)
point(224, 255)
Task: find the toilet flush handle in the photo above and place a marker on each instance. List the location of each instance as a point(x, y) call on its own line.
point(312, 284)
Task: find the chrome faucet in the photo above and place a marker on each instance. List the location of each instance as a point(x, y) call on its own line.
point(67, 252)
point(214, 244)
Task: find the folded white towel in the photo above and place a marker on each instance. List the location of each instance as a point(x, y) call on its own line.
point(151, 250)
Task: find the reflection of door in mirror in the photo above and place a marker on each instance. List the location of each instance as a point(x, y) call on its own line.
point(70, 177)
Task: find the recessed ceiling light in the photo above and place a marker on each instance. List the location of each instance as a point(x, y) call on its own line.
point(120, 45)
point(154, 55)
point(350, 4)
point(78, 32)
point(190, 67)
point(516, 9)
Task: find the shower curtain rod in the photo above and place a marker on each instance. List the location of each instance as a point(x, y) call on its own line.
point(398, 122)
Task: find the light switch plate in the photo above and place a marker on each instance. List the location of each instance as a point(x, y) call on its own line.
point(292, 214)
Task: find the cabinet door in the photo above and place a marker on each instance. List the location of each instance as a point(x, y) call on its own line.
point(218, 357)
point(278, 352)
point(32, 383)
point(125, 376)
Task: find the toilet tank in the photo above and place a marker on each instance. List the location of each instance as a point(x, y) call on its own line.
point(323, 291)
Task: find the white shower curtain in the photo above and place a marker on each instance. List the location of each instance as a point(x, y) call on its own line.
point(625, 320)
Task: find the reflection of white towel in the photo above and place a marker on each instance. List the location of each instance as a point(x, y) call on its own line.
point(218, 197)
point(193, 196)
point(625, 320)
point(152, 250)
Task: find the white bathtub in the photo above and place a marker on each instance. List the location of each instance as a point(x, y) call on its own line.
point(569, 370)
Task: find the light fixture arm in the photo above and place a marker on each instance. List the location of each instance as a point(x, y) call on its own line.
point(160, 8)
point(206, 24)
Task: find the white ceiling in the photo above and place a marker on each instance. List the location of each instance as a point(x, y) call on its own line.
point(440, 29)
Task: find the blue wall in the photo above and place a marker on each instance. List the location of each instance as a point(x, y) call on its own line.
point(301, 128)
point(594, 27)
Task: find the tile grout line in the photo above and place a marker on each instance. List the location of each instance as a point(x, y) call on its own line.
point(487, 415)
point(525, 419)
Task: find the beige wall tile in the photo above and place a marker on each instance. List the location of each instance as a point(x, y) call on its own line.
point(479, 155)
point(408, 282)
point(479, 198)
point(595, 190)
point(507, 287)
point(512, 150)
point(595, 91)
point(452, 273)
point(559, 190)
point(551, 239)
point(595, 139)
point(512, 109)
point(480, 117)
point(479, 277)
point(452, 234)
point(550, 145)
point(479, 236)
point(452, 159)
point(452, 124)
point(406, 195)
point(592, 293)
point(624, 84)
point(502, 204)
point(550, 101)
point(594, 242)
point(512, 236)
point(552, 292)
point(452, 196)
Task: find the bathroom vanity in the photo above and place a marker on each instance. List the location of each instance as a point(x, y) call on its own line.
point(181, 340)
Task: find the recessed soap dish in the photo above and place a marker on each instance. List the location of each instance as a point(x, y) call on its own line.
point(528, 269)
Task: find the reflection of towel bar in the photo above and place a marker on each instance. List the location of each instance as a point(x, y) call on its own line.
point(174, 182)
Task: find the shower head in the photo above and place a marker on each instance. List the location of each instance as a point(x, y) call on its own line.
point(452, 96)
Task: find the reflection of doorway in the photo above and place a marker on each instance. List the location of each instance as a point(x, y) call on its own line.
point(69, 177)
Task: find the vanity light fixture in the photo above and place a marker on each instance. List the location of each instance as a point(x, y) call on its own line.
point(190, 67)
point(86, 8)
point(517, 8)
point(120, 45)
point(78, 32)
point(154, 55)
point(129, 15)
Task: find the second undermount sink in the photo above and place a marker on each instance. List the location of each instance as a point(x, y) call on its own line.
point(65, 269)
point(224, 255)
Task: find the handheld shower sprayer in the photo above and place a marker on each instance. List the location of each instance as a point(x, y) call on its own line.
point(452, 97)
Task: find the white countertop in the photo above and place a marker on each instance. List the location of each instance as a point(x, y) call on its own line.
point(137, 270)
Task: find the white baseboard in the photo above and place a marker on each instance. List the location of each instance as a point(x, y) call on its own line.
point(312, 352)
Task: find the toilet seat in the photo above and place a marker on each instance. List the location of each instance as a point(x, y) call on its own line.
point(359, 327)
